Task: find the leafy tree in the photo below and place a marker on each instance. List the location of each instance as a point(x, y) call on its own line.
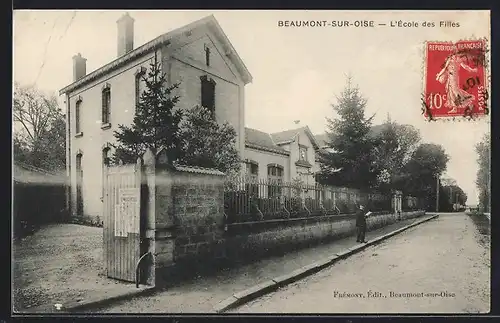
point(394, 145)
point(483, 177)
point(39, 129)
point(205, 143)
point(427, 162)
point(156, 121)
point(349, 161)
point(457, 194)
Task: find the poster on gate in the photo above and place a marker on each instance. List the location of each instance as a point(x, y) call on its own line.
point(127, 212)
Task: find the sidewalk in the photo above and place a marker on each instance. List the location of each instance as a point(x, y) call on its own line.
point(205, 293)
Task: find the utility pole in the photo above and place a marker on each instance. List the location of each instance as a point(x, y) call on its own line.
point(437, 193)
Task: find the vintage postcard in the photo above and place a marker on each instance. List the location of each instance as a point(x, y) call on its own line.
point(251, 162)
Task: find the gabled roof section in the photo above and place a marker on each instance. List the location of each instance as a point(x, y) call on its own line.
point(261, 140)
point(164, 40)
point(288, 136)
point(322, 139)
point(230, 51)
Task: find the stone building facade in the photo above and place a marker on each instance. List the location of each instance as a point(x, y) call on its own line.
point(198, 56)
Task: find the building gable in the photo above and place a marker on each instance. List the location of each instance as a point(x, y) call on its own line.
point(170, 39)
point(288, 136)
point(196, 51)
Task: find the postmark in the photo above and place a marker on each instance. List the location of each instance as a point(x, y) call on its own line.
point(455, 80)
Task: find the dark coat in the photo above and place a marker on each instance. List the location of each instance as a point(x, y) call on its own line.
point(360, 218)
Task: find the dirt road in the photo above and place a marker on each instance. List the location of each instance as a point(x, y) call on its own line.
point(442, 266)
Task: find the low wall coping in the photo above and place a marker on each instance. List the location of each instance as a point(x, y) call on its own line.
point(253, 226)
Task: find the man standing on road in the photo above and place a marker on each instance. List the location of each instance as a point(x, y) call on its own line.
point(361, 224)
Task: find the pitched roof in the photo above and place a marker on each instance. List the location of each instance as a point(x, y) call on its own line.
point(259, 139)
point(288, 136)
point(165, 39)
point(321, 139)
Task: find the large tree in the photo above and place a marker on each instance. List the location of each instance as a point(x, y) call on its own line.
point(394, 146)
point(39, 129)
point(483, 177)
point(349, 159)
point(206, 143)
point(156, 121)
point(456, 195)
point(427, 163)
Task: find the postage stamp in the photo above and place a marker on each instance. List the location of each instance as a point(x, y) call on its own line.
point(456, 83)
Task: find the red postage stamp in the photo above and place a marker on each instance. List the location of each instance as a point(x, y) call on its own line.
point(455, 80)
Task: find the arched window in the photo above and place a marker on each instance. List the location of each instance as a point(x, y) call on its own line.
point(78, 112)
point(106, 158)
point(138, 78)
point(252, 172)
point(275, 179)
point(105, 163)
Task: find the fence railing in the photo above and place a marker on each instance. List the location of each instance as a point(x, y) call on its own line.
point(247, 199)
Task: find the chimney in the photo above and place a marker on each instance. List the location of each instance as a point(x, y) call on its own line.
point(79, 67)
point(125, 34)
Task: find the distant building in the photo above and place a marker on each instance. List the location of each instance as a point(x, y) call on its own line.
point(198, 55)
point(284, 156)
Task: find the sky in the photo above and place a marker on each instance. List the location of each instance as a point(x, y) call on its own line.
point(297, 71)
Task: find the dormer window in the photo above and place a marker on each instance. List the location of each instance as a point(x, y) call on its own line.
point(302, 153)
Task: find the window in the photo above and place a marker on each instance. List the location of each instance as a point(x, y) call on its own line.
point(252, 169)
point(105, 156)
point(106, 104)
point(78, 129)
point(79, 181)
point(252, 186)
point(302, 153)
point(105, 163)
point(207, 55)
point(275, 179)
point(208, 94)
point(138, 77)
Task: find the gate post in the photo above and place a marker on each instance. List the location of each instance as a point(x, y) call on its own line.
point(148, 188)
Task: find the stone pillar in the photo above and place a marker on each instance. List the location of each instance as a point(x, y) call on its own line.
point(397, 202)
point(163, 218)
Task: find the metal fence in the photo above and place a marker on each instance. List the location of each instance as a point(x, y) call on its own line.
point(253, 200)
